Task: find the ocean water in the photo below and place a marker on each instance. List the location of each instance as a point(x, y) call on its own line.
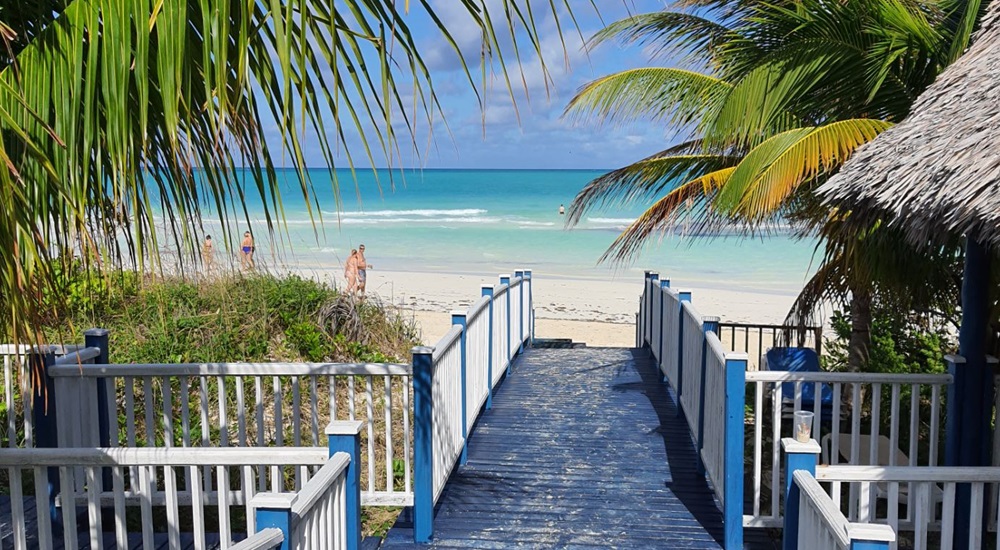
point(491, 221)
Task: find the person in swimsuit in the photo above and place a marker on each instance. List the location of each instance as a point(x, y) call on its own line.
point(207, 252)
point(363, 267)
point(351, 271)
point(246, 260)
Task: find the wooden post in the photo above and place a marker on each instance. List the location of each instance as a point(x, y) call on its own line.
point(652, 323)
point(732, 514)
point(709, 324)
point(644, 310)
point(344, 436)
point(487, 290)
point(44, 418)
point(684, 296)
point(505, 280)
point(458, 318)
point(798, 456)
point(98, 338)
point(423, 444)
point(275, 510)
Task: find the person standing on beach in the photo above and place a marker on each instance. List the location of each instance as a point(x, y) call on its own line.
point(351, 271)
point(207, 253)
point(562, 210)
point(363, 267)
point(247, 248)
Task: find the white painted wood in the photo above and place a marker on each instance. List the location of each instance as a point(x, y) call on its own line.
point(235, 369)
point(17, 507)
point(94, 510)
point(370, 409)
point(44, 521)
point(268, 539)
point(69, 520)
point(715, 402)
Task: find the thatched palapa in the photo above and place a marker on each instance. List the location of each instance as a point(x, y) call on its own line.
point(937, 173)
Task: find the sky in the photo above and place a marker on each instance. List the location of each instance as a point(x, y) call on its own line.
point(531, 131)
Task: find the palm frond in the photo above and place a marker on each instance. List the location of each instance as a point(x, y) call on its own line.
point(661, 216)
point(673, 96)
point(668, 34)
point(766, 178)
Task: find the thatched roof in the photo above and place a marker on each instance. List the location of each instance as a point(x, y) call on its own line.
point(937, 173)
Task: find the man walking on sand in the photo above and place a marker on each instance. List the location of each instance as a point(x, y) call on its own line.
point(363, 267)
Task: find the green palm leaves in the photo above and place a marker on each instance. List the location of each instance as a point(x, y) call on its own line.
point(774, 97)
point(123, 121)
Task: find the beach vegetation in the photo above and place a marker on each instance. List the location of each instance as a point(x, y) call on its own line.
point(767, 101)
point(109, 162)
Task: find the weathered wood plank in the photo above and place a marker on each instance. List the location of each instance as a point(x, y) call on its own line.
point(583, 449)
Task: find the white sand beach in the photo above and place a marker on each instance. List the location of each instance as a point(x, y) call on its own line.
point(599, 312)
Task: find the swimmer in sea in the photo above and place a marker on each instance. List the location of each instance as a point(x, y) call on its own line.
point(246, 260)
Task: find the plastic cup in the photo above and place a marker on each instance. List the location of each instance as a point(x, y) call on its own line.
point(803, 426)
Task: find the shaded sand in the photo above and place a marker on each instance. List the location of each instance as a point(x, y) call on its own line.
point(598, 312)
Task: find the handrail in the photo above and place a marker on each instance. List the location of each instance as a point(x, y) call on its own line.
point(164, 456)
point(936, 474)
point(234, 369)
point(21, 349)
point(450, 339)
point(845, 532)
point(311, 492)
point(268, 539)
point(862, 377)
point(78, 357)
point(476, 309)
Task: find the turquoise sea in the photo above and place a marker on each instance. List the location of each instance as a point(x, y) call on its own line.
point(489, 221)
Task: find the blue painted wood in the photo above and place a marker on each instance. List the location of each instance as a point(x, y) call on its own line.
point(664, 284)
point(794, 462)
point(581, 450)
point(733, 454)
point(709, 324)
point(43, 413)
point(460, 319)
point(869, 545)
point(520, 320)
point(278, 518)
point(423, 445)
point(654, 278)
point(98, 338)
point(487, 290)
point(345, 437)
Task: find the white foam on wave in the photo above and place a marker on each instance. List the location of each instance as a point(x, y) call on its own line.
point(535, 224)
point(424, 213)
point(610, 221)
point(428, 220)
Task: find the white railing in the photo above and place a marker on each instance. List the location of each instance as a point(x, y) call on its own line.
point(902, 425)
point(268, 539)
point(669, 327)
point(317, 512)
point(501, 347)
point(714, 414)
point(446, 394)
point(656, 310)
point(690, 381)
point(17, 397)
point(821, 526)
point(239, 405)
point(135, 482)
point(515, 316)
point(477, 383)
point(919, 503)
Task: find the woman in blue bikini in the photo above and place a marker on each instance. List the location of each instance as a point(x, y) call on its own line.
point(248, 249)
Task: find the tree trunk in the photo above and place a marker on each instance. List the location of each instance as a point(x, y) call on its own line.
point(861, 322)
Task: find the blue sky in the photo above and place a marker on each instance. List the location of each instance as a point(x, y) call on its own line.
point(534, 135)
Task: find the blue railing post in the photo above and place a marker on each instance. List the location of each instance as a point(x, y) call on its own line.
point(458, 318)
point(344, 436)
point(423, 444)
point(277, 515)
point(683, 296)
point(736, 369)
point(664, 284)
point(520, 309)
point(870, 545)
point(43, 416)
point(98, 338)
point(798, 456)
point(654, 283)
point(709, 324)
point(505, 280)
point(487, 290)
point(531, 308)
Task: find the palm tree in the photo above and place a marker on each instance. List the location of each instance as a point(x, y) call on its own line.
point(771, 98)
point(107, 108)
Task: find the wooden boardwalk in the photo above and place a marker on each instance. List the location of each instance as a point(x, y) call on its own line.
point(582, 449)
